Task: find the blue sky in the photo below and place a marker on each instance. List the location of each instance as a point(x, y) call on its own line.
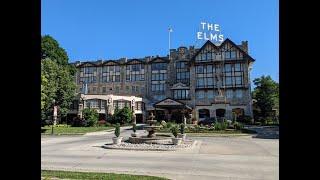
point(100, 29)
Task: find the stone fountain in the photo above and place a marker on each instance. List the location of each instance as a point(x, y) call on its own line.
point(151, 137)
point(151, 127)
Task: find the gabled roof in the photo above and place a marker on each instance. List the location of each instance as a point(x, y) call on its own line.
point(160, 58)
point(109, 61)
point(219, 47)
point(87, 63)
point(132, 60)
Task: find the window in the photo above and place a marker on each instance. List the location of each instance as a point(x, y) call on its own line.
point(200, 94)
point(205, 76)
point(117, 89)
point(229, 94)
point(228, 75)
point(120, 104)
point(133, 89)
point(135, 72)
point(142, 90)
point(94, 89)
point(158, 77)
point(104, 89)
point(139, 106)
point(88, 75)
point(110, 73)
point(137, 88)
point(157, 87)
point(233, 54)
point(230, 54)
point(181, 94)
point(127, 88)
point(159, 66)
point(159, 97)
point(182, 72)
point(103, 104)
point(92, 103)
point(238, 93)
point(210, 94)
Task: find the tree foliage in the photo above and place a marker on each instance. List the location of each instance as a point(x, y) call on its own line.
point(266, 93)
point(123, 115)
point(57, 78)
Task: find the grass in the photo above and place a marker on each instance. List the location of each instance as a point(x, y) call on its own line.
point(93, 176)
point(72, 130)
point(204, 130)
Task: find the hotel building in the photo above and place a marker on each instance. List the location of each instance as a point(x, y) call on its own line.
point(212, 81)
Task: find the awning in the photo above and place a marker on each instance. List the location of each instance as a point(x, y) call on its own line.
point(169, 103)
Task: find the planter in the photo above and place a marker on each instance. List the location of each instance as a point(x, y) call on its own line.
point(183, 136)
point(117, 140)
point(133, 134)
point(176, 141)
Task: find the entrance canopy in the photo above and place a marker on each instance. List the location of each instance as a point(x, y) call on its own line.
point(169, 103)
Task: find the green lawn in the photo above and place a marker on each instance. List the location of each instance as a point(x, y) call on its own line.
point(210, 131)
point(90, 175)
point(72, 130)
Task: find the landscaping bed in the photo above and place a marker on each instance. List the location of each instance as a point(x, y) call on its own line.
point(47, 174)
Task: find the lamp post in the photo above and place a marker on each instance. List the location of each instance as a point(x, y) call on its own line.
point(83, 103)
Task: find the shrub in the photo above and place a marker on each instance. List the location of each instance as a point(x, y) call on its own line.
point(169, 125)
point(182, 128)
point(134, 128)
point(108, 124)
point(117, 130)
point(174, 131)
point(197, 128)
point(91, 116)
point(79, 122)
point(101, 122)
point(238, 126)
point(245, 119)
point(220, 126)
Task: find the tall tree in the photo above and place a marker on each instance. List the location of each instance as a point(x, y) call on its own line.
point(266, 93)
point(50, 48)
point(57, 78)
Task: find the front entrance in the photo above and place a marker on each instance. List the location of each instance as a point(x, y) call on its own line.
point(203, 114)
point(139, 118)
point(220, 113)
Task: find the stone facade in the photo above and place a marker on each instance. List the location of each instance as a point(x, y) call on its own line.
point(195, 77)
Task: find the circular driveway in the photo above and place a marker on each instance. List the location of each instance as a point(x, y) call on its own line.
point(241, 157)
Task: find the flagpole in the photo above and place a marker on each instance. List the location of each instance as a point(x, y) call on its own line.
point(170, 30)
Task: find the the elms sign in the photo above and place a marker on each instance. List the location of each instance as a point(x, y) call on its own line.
point(210, 31)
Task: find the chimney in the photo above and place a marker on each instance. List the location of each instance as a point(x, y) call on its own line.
point(244, 45)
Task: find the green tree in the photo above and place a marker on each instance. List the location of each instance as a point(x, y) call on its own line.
point(123, 115)
point(266, 93)
point(50, 48)
point(57, 78)
point(91, 116)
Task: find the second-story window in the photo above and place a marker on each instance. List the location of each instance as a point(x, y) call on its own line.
point(181, 94)
point(158, 77)
point(205, 76)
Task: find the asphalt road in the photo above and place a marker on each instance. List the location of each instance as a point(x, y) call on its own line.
point(213, 157)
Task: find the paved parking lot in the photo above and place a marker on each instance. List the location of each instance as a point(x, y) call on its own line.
point(241, 157)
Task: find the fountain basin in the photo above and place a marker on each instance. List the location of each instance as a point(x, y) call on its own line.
point(149, 140)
